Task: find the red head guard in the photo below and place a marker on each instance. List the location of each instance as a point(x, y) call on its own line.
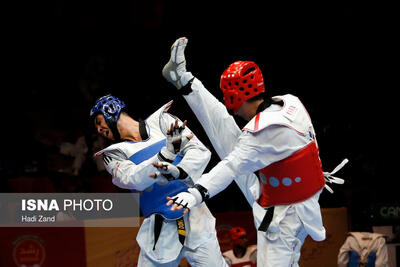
point(237, 232)
point(241, 81)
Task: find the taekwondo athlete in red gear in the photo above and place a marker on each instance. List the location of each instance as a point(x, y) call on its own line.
point(155, 157)
point(242, 254)
point(278, 142)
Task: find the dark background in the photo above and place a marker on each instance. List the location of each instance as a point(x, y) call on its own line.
point(60, 56)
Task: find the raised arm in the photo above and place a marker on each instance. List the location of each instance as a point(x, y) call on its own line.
point(218, 124)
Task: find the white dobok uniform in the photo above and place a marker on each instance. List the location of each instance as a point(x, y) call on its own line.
point(201, 246)
point(250, 150)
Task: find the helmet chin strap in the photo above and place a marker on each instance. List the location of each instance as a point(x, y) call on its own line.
point(117, 136)
point(113, 127)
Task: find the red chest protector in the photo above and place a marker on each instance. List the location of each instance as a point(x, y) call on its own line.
point(293, 179)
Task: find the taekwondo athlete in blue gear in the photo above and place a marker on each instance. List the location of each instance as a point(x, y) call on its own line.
point(155, 157)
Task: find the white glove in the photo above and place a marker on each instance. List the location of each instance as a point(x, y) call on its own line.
point(175, 141)
point(185, 200)
point(169, 171)
point(175, 70)
point(166, 155)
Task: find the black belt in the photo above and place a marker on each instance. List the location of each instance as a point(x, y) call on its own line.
point(266, 221)
point(180, 224)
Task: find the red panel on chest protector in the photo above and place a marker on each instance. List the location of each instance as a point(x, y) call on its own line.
point(293, 179)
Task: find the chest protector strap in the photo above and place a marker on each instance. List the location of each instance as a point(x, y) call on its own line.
point(293, 179)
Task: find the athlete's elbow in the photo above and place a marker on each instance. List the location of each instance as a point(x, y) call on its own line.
point(207, 155)
point(126, 184)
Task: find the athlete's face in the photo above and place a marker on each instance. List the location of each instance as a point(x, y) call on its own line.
point(102, 127)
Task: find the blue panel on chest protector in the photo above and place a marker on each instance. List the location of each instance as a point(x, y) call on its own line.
point(154, 199)
point(354, 259)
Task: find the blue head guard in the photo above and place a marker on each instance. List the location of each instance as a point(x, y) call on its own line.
point(111, 108)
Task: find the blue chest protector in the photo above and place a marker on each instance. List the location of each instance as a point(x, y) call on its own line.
point(354, 259)
point(154, 199)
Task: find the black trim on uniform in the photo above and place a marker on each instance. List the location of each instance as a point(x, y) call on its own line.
point(142, 130)
point(187, 89)
point(203, 192)
point(106, 159)
point(268, 102)
point(182, 174)
point(162, 158)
